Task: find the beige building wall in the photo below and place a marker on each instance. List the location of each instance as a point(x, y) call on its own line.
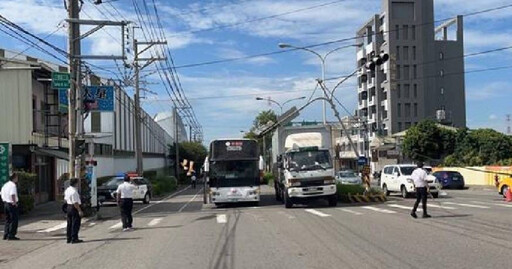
point(16, 105)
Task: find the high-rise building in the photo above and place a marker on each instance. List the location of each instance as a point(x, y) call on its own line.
point(424, 77)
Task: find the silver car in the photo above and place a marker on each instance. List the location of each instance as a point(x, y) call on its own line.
point(348, 177)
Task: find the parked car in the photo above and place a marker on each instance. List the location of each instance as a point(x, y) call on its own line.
point(348, 177)
point(397, 178)
point(504, 185)
point(143, 189)
point(450, 179)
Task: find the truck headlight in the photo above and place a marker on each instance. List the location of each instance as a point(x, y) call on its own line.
point(294, 182)
point(329, 180)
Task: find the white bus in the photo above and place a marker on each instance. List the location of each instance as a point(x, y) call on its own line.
point(234, 170)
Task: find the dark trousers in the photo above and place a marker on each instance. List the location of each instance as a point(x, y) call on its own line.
point(73, 223)
point(126, 206)
point(421, 195)
point(11, 220)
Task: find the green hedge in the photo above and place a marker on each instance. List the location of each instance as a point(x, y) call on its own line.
point(26, 188)
point(163, 184)
point(268, 178)
point(26, 203)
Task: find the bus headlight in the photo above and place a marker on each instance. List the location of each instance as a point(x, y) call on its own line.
point(253, 192)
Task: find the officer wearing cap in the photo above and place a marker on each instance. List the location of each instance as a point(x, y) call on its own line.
point(74, 212)
point(124, 199)
point(9, 195)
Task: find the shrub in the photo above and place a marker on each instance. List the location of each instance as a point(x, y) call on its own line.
point(149, 174)
point(268, 178)
point(26, 203)
point(163, 184)
point(345, 189)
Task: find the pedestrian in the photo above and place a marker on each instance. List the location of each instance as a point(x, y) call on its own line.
point(193, 179)
point(74, 212)
point(419, 176)
point(10, 197)
point(124, 199)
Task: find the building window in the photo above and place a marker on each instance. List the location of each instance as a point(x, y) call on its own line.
point(406, 32)
point(369, 35)
point(399, 110)
point(414, 72)
point(41, 111)
point(397, 32)
point(399, 127)
point(96, 122)
point(407, 110)
point(442, 91)
point(415, 109)
point(406, 53)
point(441, 73)
point(398, 71)
point(413, 32)
point(415, 91)
point(406, 72)
point(407, 90)
point(398, 52)
point(414, 53)
point(34, 114)
point(407, 125)
point(398, 91)
point(441, 56)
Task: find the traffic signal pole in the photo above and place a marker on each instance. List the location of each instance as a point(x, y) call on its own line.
point(74, 70)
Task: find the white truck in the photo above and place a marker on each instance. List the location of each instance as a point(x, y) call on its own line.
point(303, 165)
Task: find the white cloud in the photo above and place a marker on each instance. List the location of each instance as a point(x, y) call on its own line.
point(493, 117)
point(491, 90)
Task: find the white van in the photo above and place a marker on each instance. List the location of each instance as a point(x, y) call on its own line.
point(397, 178)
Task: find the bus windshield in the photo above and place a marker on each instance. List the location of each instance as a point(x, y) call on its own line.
point(234, 174)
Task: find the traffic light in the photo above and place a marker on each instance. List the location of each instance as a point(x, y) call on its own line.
point(80, 146)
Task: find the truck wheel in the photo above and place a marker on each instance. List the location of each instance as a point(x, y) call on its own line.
point(385, 190)
point(287, 200)
point(333, 200)
point(405, 194)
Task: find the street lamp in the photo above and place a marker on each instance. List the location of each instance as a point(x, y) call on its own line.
point(322, 61)
point(278, 104)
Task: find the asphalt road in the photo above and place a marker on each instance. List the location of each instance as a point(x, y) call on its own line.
point(470, 229)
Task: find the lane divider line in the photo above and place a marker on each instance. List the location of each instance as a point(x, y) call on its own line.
point(161, 201)
point(484, 203)
point(318, 213)
point(468, 205)
point(350, 211)
point(154, 222)
point(380, 210)
point(404, 207)
point(443, 207)
point(193, 198)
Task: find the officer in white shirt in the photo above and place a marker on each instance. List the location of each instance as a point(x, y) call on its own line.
point(10, 197)
point(125, 201)
point(74, 212)
point(419, 176)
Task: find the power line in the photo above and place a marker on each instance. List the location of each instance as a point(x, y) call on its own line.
point(259, 19)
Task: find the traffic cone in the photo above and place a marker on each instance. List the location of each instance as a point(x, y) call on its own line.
point(508, 195)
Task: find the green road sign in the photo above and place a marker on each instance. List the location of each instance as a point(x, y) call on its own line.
point(61, 80)
point(5, 162)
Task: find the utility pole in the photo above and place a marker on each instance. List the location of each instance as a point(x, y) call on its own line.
point(74, 90)
point(176, 142)
point(138, 117)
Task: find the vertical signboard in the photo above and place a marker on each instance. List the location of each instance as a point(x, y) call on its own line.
point(5, 162)
point(63, 101)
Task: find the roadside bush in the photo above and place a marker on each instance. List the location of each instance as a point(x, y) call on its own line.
point(163, 184)
point(150, 174)
point(26, 187)
point(26, 203)
point(345, 189)
point(268, 179)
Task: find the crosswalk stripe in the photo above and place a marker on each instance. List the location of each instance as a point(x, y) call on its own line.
point(484, 203)
point(221, 218)
point(404, 207)
point(116, 226)
point(380, 210)
point(467, 205)
point(318, 213)
point(154, 222)
point(350, 211)
point(54, 228)
point(443, 207)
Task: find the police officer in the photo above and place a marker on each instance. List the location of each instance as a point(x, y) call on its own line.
point(74, 212)
point(10, 197)
point(419, 176)
point(125, 201)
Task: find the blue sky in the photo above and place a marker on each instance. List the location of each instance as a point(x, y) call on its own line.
point(223, 95)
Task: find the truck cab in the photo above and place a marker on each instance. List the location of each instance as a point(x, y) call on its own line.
point(305, 173)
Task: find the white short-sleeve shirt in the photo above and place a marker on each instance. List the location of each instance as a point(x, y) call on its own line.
point(71, 196)
point(419, 176)
point(125, 190)
point(8, 190)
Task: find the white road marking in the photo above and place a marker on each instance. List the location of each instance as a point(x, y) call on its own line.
point(154, 222)
point(318, 213)
point(404, 207)
point(221, 218)
point(54, 228)
point(380, 210)
point(350, 211)
point(467, 205)
point(116, 226)
point(484, 203)
point(443, 207)
point(185, 205)
point(161, 201)
point(92, 224)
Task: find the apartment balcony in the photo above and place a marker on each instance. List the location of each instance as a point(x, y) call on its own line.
point(369, 48)
point(371, 102)
point(361, 54)
point(384, 104)
point(363, 104)
point(52, 142)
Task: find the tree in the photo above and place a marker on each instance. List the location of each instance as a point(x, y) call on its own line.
point(191, 151)
point(427, 141)
point(264, 117)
